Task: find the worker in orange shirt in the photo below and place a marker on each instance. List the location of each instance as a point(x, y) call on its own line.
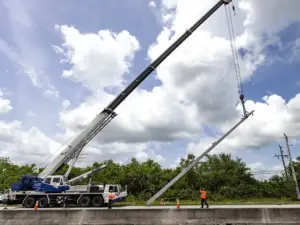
point(203, 198)
point(111, 197)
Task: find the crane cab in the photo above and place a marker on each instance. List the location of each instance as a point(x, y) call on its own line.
point(55, 181)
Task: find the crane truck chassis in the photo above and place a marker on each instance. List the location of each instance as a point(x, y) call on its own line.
point(79, 195)
point(53, 192)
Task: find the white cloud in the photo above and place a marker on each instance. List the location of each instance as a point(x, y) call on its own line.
point(272, 15)
point(271, 118)
point(296, 49)
point(204, 76)
point(65, 104)
point(31, 145)
point(24, 146)
point(33, 75)
point(264, 172)
point(152, 4)
point(98, 60)
point(31, 114)
point(51, 93)
point(136, 121)
point(5, 104)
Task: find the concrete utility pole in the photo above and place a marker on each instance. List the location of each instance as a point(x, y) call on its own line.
point(190, 166)
point(283, 162)
point(292, 166)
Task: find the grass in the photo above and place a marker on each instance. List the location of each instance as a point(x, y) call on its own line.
point(255, 201)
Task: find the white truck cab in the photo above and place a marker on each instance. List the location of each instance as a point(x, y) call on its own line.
point(119, 192)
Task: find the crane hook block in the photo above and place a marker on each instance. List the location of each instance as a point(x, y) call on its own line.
point(242, 97)
point(226, 1)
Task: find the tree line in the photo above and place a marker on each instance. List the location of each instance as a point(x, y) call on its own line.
point(221, 175)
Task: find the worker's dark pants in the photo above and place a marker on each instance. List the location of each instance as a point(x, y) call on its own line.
point(203, 201)
point(109, 204)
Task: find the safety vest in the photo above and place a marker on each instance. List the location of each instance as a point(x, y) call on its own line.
point(111, 196)
point(203, 194)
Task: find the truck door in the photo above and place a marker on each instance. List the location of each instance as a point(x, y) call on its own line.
point(122, 192)
point(114, 189)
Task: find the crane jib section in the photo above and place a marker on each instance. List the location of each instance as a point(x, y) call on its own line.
point(87, 134)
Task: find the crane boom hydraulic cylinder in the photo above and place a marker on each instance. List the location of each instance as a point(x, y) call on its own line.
point(76, 145)
point(185, 170)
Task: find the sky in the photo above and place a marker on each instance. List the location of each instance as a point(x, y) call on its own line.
point(62, 63)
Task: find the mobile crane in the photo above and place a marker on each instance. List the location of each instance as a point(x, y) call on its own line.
point(49, 189)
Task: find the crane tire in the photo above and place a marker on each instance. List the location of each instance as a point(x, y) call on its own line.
point(29, 202)
point(98, 201)
point(43, 202)
point(85, 201)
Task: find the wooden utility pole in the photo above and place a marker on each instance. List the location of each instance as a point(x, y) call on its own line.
point(292, 166)
point(283, 162)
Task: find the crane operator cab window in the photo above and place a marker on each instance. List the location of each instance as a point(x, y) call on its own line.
point(47, 180)
point(55, 181)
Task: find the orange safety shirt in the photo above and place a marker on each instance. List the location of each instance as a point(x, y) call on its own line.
point(111, 196)
point(203, 194)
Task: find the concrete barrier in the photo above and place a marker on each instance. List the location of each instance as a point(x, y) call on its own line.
point(152, 216)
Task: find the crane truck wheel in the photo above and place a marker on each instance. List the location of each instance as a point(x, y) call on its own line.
point(29, 202)
point(98, 201)
point(43, 202)
point(85, 201)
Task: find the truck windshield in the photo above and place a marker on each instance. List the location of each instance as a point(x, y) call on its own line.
point(121, 189)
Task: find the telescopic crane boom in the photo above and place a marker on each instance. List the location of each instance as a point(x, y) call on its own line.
point(75, 146)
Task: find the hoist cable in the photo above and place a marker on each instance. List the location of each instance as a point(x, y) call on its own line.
point(234, 51)
point(235, 58)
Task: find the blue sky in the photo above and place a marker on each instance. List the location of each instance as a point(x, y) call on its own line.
point(28, 34)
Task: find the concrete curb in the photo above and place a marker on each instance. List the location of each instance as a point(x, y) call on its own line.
point(152, 216)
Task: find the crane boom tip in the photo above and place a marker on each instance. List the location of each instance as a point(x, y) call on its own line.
point(227, 1)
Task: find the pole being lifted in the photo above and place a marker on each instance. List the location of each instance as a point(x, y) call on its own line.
point(185, 170)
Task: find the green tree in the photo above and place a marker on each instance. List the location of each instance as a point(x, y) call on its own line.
point(223, 177)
